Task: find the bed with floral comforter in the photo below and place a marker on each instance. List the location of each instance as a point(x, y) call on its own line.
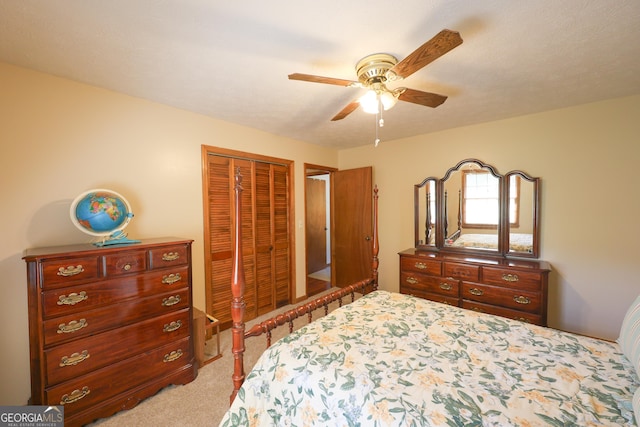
point(395, 360)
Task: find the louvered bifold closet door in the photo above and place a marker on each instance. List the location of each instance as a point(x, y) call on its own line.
point(264, 244)
point(220, 199)
point(265, 236)
point(281, 236)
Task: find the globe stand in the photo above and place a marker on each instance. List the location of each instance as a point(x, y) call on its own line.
point(117, 238)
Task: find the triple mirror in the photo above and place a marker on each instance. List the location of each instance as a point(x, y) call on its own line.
point(474, 209)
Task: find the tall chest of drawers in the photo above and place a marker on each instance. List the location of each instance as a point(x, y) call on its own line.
point(517, 289)
point(108, 326)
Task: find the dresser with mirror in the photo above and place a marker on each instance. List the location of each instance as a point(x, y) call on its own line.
point(477, 239)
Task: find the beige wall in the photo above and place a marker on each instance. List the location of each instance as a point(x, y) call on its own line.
point(588, 159)
point(60, 138)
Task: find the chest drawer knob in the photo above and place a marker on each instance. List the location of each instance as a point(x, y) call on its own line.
point(421, 265)
point(411, 280)
point(70, 270)
point(522, 299)
point(445, 286)
point(170, 256)
point(476, 291)
point(72, 299)
point(173, 326)
point(74, 359)
point(75, 395)
point(172, 300)
point(73, 326)
point(174, 355)
point(170, 279)
point(510, 277)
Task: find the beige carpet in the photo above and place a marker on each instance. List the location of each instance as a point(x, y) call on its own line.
point(203, 401)
point(324, 274)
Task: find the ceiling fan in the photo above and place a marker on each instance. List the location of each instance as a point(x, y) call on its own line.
point(375, 70)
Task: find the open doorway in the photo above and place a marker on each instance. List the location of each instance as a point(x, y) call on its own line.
point(318, 228)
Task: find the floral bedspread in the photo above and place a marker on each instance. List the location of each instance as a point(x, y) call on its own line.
point(394, 360)
point(518, 242)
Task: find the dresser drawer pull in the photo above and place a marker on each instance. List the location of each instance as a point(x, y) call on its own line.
point(72, 299)
point(522, 319)
point(171, 278)
point(73, 326)
point(168, 302)
point(421, 265)
point(173, 326)
point(510, 277)
point(445, 286)
point(476, 291)
point(411, 280)
point(522, 300)
point(70, 270)
point(127, 267)
point(75, 395)
point(171, 256)
point(74, 359)
point(174, 355)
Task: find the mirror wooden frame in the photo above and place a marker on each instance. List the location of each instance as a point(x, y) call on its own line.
point(430, 223)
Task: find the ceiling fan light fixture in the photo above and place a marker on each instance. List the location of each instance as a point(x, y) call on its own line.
point(371, 100)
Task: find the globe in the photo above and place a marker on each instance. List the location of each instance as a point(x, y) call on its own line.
point(102, 213)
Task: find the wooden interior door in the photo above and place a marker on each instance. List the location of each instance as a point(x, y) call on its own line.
point(352, 224)
point(316, 226)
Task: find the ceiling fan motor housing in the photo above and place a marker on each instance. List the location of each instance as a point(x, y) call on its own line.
point(373, 68)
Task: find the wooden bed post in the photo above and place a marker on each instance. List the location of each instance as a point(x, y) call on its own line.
point(376, 243)
point(237, 293)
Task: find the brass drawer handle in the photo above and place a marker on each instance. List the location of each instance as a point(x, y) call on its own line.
point(70, 270)
point(74, 359)
point(476, 291)
point(411, 280)
point(510, 277)
point(171, 278)
point(173, 326)
point(72, 299)
point(171, 256)
point(127, 267)
point(174, 355)
point(522, 300)
point(522, 319)
point(445, 286)
point(75, 395)
point(421, 265)
point(168, 302)
point(73, 326)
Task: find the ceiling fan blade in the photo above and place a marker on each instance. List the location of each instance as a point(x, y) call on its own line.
point(427, 99)
point(320, 79)
point(440, 44)
point(346, 111)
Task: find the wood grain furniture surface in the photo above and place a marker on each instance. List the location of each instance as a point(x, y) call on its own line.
point(108, 326)
point(512, 288)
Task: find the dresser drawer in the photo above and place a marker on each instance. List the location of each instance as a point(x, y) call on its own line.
point(510, 298)
point(125, 263)
point(504, 312)
point(443, 299)
point(109, 347)
point(169, 256)
point(64, 301)
point(56, 273)
point(86, 391)
point(77, 325)
point(461, 271)
point(438, 285)
point(421, 265)
point(512, 278)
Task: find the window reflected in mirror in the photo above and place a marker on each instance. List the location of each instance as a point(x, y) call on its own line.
point(472, 207)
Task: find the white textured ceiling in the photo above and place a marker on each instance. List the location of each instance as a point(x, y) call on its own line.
point(230, 59)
